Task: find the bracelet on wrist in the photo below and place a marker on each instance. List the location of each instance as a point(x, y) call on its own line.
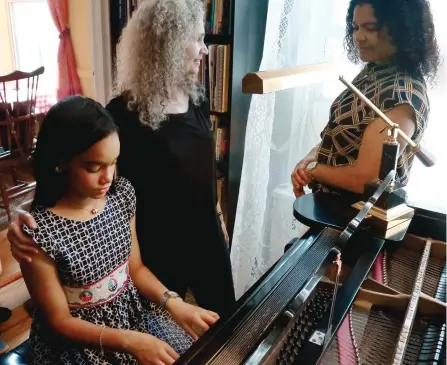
point(100, 338)
point(166, 296)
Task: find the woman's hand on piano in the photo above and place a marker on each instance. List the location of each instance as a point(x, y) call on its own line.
point(194, 320)
point(149, 350)
point(22, 245)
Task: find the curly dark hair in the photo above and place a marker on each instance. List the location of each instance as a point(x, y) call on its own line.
point(410, 26)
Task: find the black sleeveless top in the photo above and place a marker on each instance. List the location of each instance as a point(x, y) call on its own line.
point(173, 172)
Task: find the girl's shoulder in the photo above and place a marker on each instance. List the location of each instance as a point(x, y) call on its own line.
point(49, 227)
point(123, 186)
point(125, 193)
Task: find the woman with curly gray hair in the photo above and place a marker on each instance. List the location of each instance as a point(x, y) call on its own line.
point(167, 150)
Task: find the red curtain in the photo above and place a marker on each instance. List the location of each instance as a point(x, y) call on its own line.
point(69, 82)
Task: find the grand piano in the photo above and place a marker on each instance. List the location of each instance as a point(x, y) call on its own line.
point(365, 285)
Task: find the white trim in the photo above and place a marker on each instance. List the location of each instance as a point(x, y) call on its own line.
point(99, 24)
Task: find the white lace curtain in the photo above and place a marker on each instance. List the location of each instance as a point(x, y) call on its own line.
point(282, 127)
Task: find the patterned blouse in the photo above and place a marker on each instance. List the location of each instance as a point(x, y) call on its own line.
point(387, 88)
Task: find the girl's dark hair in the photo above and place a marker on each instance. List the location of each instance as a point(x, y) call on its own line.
point(410, 26)
point(69, 128)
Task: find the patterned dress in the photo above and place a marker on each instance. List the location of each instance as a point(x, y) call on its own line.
point(386, 87)
point(91, 258)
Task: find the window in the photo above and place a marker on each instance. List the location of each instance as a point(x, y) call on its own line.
point(35, 40)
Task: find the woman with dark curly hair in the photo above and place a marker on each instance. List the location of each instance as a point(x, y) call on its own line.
point(396, 41)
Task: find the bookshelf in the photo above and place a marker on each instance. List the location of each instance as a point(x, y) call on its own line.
point(215, 76)
point(234, 36)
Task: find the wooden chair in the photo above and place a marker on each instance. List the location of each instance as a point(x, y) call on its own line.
point(18, 94)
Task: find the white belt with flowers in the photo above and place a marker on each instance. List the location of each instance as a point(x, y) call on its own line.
point(101, 292)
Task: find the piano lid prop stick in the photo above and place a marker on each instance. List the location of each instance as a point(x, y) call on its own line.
point(338, 263)
point(424, 156)
point(407, 326)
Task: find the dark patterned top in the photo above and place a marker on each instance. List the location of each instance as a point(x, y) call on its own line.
point(387, 88)
point(86, 252)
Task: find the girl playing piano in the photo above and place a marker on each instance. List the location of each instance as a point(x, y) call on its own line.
point(96, 302)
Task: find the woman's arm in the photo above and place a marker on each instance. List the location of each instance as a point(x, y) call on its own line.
point(145, 281)
point(366, 168)
point(192, 319)
point(43, 283)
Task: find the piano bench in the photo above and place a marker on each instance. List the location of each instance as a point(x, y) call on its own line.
point(18, 356)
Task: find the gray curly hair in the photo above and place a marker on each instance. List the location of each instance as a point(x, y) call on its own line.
point(151, 57)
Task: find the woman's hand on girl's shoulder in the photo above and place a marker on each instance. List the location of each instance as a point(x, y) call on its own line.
point(194, 320)
point(22, 245)
point(149, 350)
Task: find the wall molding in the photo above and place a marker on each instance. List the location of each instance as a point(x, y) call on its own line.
point(99, 25)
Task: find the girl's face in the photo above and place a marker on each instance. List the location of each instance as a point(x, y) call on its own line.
point(195, 50)
point(90, 174)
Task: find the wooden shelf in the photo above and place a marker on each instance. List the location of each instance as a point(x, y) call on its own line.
point(269, 81)
point(218, 39)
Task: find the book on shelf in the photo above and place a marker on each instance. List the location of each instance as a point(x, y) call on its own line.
point(220, 187)
point(125, 10)
point(221, 143)
point(220, 137)
point(217, 16)
point(214, 75)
